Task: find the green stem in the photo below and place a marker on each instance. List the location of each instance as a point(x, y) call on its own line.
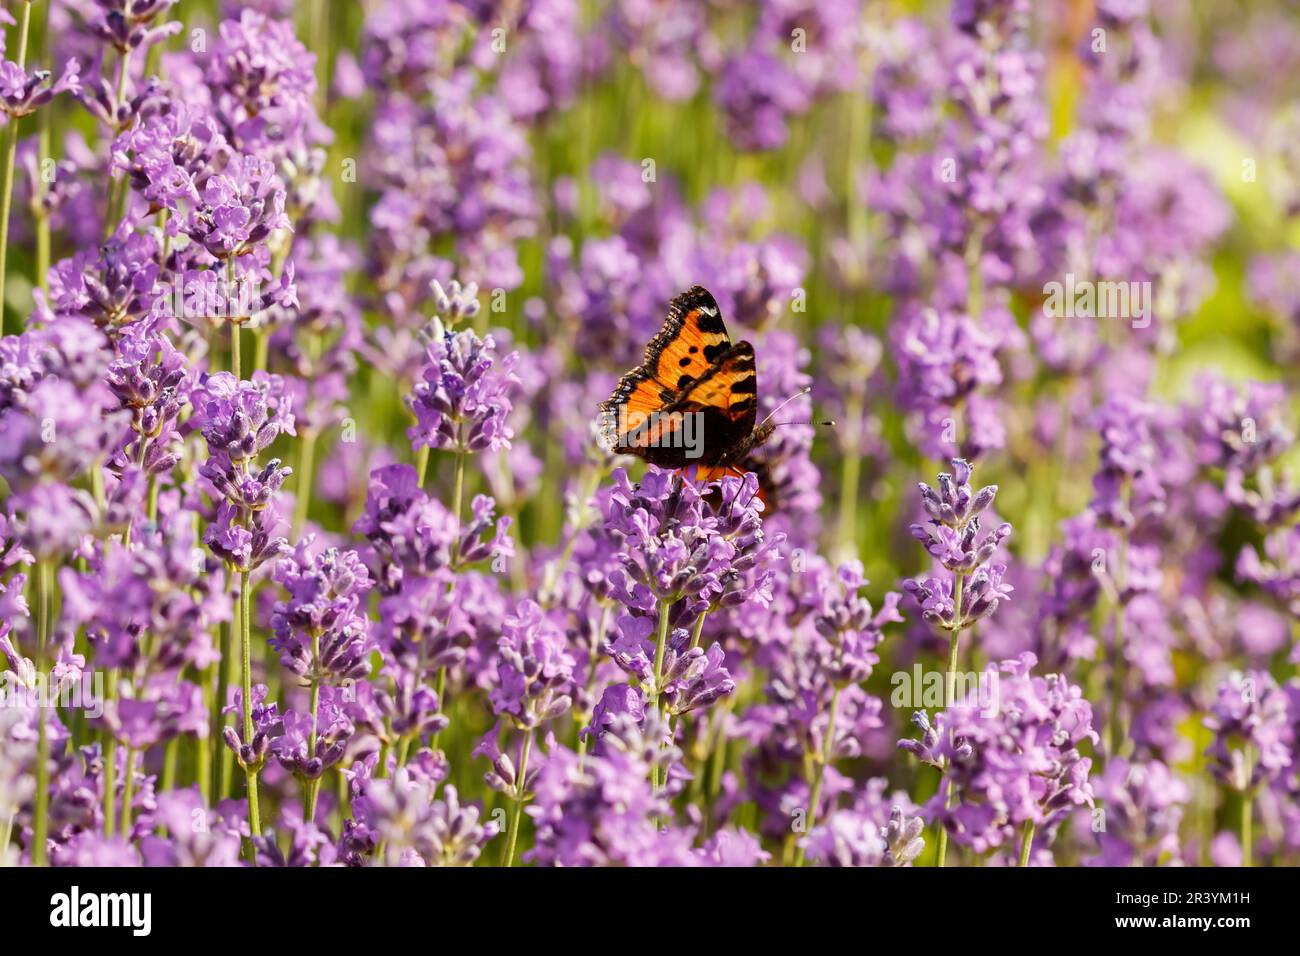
point(851, 471)
point(24, 25)
point(1026, 842)
point(261, 348)
point(421, 465)
point(171, 754)
point(208, 745)
point(110, 766)
point(313, 786)
point(39, 187)
point(699, 629)
point(1114, 723)
point(306, 466)
point(245, 599)
point(954, 641)
point(6, 836)
point(442, 702)
point(583, 720)
point(661, 642)
point(222, 771)
point(120, 187)
point(518, 810)
point(1247, 812)
point(10, 150)
point(6, 201)
point(949, 695)
point(1114, 733)
point(307, 448)
point(320, 45)
point(128, 793)
point(941, 853)
point(975, 275)
point(822, 760)
point(458, 492)
point(41, 824)
point(235, 328)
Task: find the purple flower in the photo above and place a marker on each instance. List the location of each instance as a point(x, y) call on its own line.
point(413, 534)
point(534, 670)
point(152, 380)
point(309, 844)
point(952, 536)
point(50, 519)
point(758, 93)
point(263, 82)
point(652, 35)
point(127, 24)
point(238, 208)
point(246, 547)
point(1244, 433)
point(1127, 484)
point(60, 431)
point(672, 545)
point(416, 829)
point(321, 632)
point(694, 678)
point(195, 835)
point(423, 627)
point(240, 418)
point(1277, 568)
point(852, 632)
point(22, 93)
point(850, 838)
point(267, 725)
point(311, 744)
point(1144, 805)
point(1012, 763)
point(462, 399)
point(132, 619)
point(453, 169)
point(169, 155)
point(162, 710)
point(616, 702)
point(600, 812)
point(1254, 731)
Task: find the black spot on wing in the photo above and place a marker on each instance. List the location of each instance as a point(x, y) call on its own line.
point(711, 324)
point(713, 352)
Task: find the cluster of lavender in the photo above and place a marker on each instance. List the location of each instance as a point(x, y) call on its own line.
point(309, 554)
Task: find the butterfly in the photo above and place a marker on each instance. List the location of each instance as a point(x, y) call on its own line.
point(693, 402)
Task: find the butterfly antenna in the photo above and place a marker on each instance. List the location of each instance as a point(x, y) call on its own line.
point(828, 423)
point(799, 394)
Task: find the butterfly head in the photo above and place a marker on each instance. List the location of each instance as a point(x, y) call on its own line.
point(762, 433)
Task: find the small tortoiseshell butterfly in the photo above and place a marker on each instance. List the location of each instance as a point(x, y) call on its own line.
point(693, 402)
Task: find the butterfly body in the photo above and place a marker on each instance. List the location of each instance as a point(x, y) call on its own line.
point(693, 402)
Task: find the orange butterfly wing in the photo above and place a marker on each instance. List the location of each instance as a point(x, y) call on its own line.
point(728, 387)
point(690, 367)
point(692, 339)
